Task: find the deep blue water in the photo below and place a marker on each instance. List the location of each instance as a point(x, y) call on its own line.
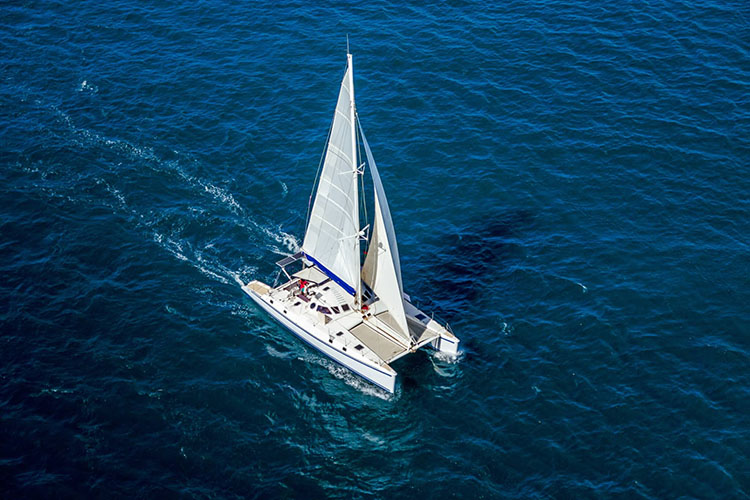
point(570, 183)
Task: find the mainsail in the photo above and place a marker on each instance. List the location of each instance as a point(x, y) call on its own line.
point(382, 271)
point(332, 236)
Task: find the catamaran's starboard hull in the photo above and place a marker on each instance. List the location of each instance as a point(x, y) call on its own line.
point(446, 345)
point(380, 376)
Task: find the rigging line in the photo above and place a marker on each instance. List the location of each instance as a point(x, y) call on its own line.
point(362, 178)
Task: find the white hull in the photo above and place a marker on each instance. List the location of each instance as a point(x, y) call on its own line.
point(382, 376)
point(446, 345)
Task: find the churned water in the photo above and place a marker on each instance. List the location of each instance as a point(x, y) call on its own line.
point(570, 183)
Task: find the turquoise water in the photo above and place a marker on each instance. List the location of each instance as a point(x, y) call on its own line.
point(570, 186)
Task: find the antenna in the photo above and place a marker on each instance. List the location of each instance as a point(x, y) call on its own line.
point(347, 44)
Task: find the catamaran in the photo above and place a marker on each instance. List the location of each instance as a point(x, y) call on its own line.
point(355, 313)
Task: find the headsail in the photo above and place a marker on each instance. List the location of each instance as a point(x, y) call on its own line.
point(381, 270)
point(332, 236)
point(386, 211)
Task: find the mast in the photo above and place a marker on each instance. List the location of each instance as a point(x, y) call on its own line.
point(355, 171)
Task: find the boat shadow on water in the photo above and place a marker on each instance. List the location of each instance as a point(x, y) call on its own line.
point(473, 262)
point(468, 265)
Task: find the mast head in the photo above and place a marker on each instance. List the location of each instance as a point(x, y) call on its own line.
point(347, 45)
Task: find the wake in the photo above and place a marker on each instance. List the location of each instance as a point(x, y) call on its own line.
point(165, 229)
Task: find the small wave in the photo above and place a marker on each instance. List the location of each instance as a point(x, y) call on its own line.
point(244, 274)
point(289, 241)
point(85, 86)
point(170, 245)
point(448, 358)
point(121, 145)
point(357, 382)
point(209, 266)
point(212, 274)
point(441, 371)
point(349, 378)
point(114, 192)
point(222, 195)
point(374, 439)
point(278, 354)
point(583, 287)
point(175, 312)
point(506, 329)
point(240, 276)
point(445, 364)
point(216, 192)
point(203, 290)
point(155, 394)
point(87, 137)
point(54, 390)
point(241, 311)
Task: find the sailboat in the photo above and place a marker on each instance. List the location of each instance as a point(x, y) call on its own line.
point(356, 313)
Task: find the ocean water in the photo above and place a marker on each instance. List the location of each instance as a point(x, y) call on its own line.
point(570, 183)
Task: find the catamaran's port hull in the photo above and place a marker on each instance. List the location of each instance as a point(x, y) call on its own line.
point(382, 376)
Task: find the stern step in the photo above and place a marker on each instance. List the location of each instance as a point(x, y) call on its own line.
point(258, 287)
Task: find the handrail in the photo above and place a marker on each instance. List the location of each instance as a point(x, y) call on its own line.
point(414, 301)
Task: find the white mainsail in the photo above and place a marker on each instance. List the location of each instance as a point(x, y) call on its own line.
point(332, 236)
point(381, 270)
